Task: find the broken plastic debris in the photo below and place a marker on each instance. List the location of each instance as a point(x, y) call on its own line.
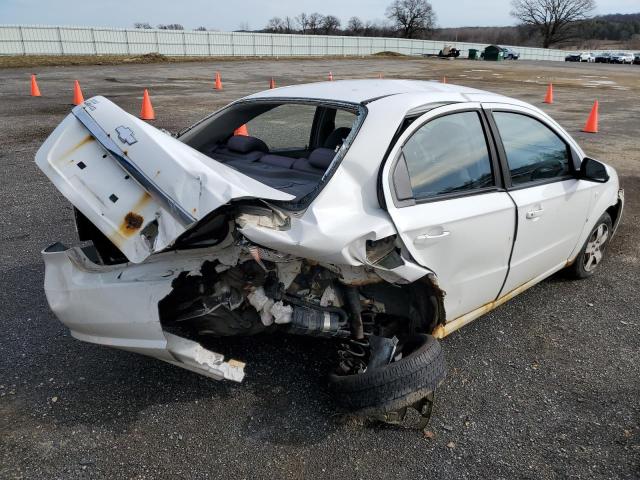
point(269, 310)
point(282, 313)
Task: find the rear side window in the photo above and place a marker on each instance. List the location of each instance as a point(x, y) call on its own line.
point(285, 127)
point(534, 151)
point(448, 155)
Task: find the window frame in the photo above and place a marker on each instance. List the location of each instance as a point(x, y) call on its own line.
point(399, 163)
point(502, 154)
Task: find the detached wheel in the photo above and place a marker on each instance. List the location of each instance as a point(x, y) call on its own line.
point(386, 392)
point(592, 253)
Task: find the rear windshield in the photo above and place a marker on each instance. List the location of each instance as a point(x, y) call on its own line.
point(288, 145)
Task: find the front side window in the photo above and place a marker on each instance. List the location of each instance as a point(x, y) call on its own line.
point(534, 151)
point(448, 155)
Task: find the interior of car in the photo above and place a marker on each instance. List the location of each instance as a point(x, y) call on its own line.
point(288, 146)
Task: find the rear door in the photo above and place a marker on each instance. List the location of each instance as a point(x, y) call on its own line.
point(552, 203)
point(443, 190)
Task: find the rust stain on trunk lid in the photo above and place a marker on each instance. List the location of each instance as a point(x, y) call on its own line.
point(133, 221)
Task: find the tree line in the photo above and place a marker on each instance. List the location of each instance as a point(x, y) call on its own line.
point(404, 18)
point(541, 23)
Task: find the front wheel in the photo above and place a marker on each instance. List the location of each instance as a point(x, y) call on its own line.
point(592, 253)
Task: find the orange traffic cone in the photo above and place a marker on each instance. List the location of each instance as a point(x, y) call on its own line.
point(330, 77)
point(241, 130)
point(147, 112)
point(548, 98)
point(592, 122)
point(444, 79)
point(77, 94)
point(35, 91)
point(272, 83)
point(218, 85)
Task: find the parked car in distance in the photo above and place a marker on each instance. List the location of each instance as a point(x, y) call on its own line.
point(636, 59)
point(604, 57)
point(346, 215)
point(573, 57)
point(622, 57)
point(587, 57)
point(509, 54)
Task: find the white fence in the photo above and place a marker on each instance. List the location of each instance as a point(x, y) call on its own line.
point(53, 40)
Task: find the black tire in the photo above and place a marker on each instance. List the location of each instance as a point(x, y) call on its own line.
point(395, 386)
point(583, 266)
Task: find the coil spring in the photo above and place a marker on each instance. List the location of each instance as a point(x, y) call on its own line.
point(354, 354)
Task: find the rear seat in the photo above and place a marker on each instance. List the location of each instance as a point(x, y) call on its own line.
point(318, 162)
point(278, 161)
point(251, 153)
point(320, 159)
point(239, 148)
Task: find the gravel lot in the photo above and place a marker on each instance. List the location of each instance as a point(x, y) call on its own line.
point(546, 386)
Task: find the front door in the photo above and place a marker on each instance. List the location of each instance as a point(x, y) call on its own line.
point(552, 202)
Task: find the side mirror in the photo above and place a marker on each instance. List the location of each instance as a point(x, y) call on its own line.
point(593, 171)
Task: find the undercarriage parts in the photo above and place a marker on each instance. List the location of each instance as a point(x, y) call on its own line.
point(310, 321)
point(379, 325)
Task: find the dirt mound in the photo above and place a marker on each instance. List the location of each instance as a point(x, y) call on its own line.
point(388, 53)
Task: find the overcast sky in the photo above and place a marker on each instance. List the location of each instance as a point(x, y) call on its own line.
point(230, 14)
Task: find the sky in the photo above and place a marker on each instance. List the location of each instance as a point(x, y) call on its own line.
point(231, 14)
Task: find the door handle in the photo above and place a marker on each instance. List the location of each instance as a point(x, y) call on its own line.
point(426, 236)
point(532, 214)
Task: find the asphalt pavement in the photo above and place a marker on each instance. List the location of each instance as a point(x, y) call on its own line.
point(546, 386)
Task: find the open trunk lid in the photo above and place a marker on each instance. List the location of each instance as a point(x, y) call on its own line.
point(139, 186)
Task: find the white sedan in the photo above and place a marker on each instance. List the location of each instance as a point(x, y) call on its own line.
point(384, 214)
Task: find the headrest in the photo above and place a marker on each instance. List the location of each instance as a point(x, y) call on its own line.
point(321, 158)
point(245, 144)
point(336, 137)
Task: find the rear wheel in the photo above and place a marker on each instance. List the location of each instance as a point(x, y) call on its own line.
point(409, 381)
point(592, 253)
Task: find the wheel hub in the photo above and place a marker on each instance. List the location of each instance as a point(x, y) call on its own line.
point(595, 247)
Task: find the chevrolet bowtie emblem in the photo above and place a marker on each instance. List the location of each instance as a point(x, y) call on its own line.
point(125, 135)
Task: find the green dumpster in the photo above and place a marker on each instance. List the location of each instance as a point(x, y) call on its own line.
point(473, 54)
point(493, 52)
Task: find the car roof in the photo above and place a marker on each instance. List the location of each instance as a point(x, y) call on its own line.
point(364, 91)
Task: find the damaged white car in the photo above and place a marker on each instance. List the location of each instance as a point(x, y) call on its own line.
point(348, 211)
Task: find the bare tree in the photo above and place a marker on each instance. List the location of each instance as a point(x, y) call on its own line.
point(289, 24)
point(171, 26)
point(412, 17)
point(552, 18)
point(275, 25)
point(330, 24)
point(201, 29)
point(143, 25)
point(303, 21)
point(355, 26)
point(315, 22)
